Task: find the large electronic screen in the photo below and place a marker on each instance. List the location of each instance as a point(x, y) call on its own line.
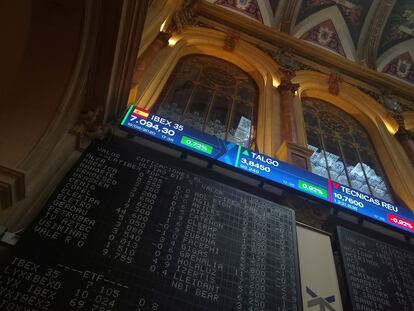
point(379, 275)
point(179, 135)
point(128, 231)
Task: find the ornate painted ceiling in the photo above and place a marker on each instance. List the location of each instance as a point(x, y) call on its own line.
point(377, 33)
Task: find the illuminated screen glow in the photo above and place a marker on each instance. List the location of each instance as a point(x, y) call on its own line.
point(278, 172)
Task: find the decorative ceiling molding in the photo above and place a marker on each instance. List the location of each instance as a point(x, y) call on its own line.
point(267, 12)
point(391, 102)
point(368, 45)
point(254, 32)
point(286, 58)
point(366, 28)
point(279, 13)
point(287, 19)
point(274, 4)
point(399, 26)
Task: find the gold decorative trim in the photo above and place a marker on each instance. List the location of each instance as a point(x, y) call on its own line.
point(408, 120)
point(287, 19)
point(230, 41)
point(199, 40)
point(334, 82)
point(378, 122)
point(374, 34)
point(255, 32)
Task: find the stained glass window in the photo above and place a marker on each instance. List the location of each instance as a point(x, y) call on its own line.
point(342, 150)
point(211, 95)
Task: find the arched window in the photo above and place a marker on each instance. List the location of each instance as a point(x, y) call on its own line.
point(342, 150)
point(211, 95)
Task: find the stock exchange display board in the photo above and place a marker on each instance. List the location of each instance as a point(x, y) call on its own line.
point(251, 162)
point(125, 230)
point(379, 276)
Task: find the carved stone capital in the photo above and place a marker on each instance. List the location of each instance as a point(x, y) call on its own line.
point(183, 16)
point(287, 73)
point(285, 58)
point(400, 119)
point(287, 85)
point(90, 127)
point(404, 134)
point(388, 101)
point(163, 37)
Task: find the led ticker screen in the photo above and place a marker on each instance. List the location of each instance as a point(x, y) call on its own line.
point(142, 121)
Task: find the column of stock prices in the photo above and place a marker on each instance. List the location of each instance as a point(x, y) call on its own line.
point(380, 276)
point(125, 230)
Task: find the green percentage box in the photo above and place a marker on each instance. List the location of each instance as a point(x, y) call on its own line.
point(313, 189)
point(197, 145)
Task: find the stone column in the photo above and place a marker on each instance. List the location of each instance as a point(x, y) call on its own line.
point(290, 150)
point(287, 91)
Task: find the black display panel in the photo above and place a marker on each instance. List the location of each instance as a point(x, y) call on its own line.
point(125, 230)
point(379, 275)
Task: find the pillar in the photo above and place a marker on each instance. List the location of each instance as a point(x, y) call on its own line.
point(287, 91)
point(291, 150)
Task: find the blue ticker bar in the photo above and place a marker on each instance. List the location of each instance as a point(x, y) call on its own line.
point(269, 169)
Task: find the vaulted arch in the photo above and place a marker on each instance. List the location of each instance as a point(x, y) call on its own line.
point(342, 150)
point(375, 119)
point(213, 96)
point(262, 69)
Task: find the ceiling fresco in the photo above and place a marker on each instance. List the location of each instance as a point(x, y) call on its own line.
point(373, 32)
point(325, 35)
point(247, 7)
point(401, 67)
point(353, 11)
point(400, 25)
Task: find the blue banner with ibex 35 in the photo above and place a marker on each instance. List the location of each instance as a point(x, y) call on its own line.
point(272, 170)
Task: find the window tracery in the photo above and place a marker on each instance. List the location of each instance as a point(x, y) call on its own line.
point(342, 150)
point(211, 95)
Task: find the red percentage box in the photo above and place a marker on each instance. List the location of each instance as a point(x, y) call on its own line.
point(401, 222)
